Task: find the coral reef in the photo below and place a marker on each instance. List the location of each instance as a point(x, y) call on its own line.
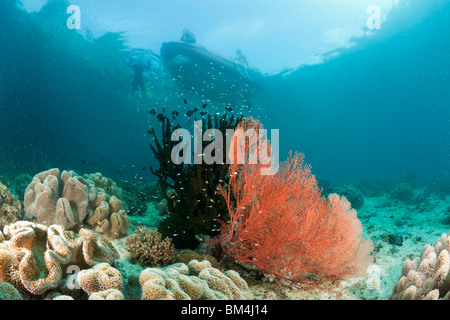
point(427, 277)
point(63, 297)
point(148, 248)
point(138, 195)
point(282, 224)
point(72, 201)
point(99, 278)
point(402, 192)
point(34, 256)
point(187, 255)
point(197, 280)
point(196, 198)
point(8, 292)
point(11, 209)
point(110, 294)
point(352, 194)
point(20, 184)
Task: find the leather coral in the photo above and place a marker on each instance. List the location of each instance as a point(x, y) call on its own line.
point(35, 256)
point(72, 201)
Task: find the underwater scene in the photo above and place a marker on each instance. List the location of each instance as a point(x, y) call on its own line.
point(224, 150)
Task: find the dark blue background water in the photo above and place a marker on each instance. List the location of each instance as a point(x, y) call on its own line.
point(379, 110)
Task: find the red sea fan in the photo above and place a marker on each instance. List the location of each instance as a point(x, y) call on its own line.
point(283, 225)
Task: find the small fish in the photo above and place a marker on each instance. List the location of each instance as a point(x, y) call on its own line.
point(204, 105)
point(153, 111)
point(149, 132)
point(143, 169)
point(203, 113)
point(188, 114)
point(185, 101)
point(229, 109)
point(89, 163)
point(119, 171)
point(161, 117)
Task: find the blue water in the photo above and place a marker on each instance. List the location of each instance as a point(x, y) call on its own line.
point(377, 110)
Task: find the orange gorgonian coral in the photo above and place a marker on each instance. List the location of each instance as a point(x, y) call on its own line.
point(283, 225)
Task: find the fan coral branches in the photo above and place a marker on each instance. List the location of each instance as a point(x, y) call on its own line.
point(70, 200)
point(149, 249)
point(428, 277)
point(283, 225)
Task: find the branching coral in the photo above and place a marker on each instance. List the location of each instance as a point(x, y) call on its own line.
point(427, 277)
point(34, 257)
point(197, 280)
point(196, 198)
point(70, 200)
point(283, 225)
point(11, 210)
point(148, 248)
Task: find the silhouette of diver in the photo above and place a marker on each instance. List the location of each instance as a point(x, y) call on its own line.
point(241, 57)
point(188, 36)
point(139, 63)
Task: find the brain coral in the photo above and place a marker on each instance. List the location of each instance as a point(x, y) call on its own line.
point(70, 200)
point(33, 258)
point(11, 210)
point(100, 278)
point(149, 249)
point(428, 277)
point(178, 282)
